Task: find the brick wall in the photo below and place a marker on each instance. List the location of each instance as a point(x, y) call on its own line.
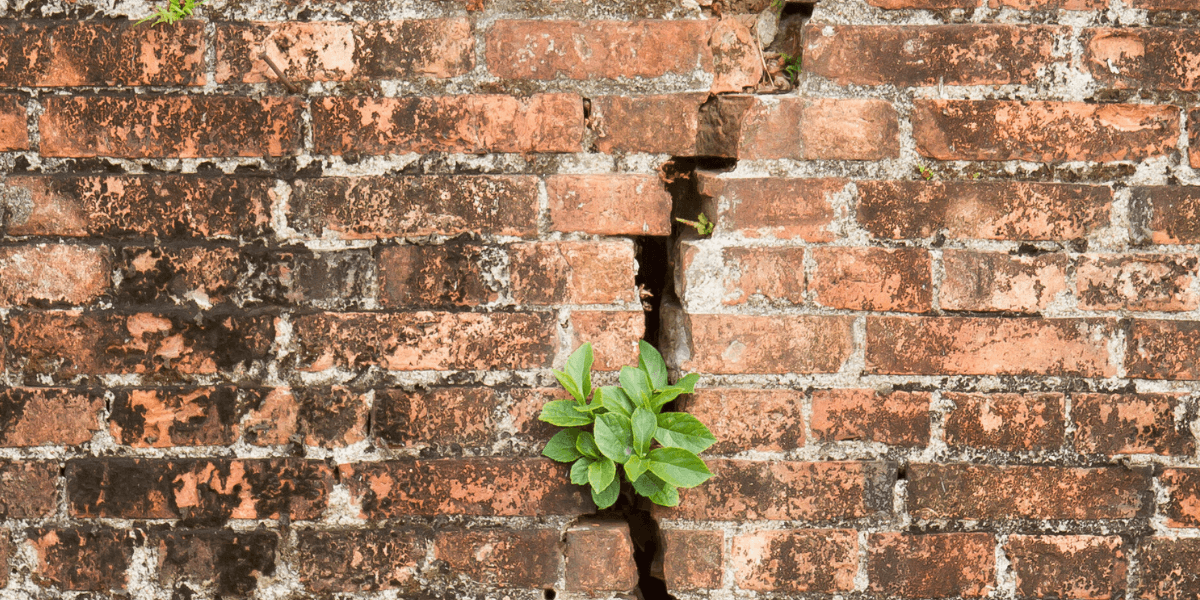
point(288, 339)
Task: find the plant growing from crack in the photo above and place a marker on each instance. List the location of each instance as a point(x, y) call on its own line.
point(623, 430)
point(702, 224)
point(175, 10)
point(792, 66)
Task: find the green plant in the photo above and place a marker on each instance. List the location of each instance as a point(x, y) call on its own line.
point(792, 66)
point(174, 11)
point(702, 224)
point(624, 429)
point(925, 172)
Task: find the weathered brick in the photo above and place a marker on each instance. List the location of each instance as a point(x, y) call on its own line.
point(83, 559)
point(229, 561)
point(6, 552)
point(748, 127)
point(1183, 486)
point(693, 560)
point(443, 275)
point(597, 49)
point(768, 344)
point(339, 51)
point(896, 419)
point(929, 55)
point(1194, 139)
point(998, 281)
point(201, 490)
point(147, 206)
point(152, 418)
point(1011, 422)
point(1067, 566)
point(53, 273)
point(755, 275)
point(786, 490)
point(169, 126)
point(994, 211)
point(614, 335)
point(599, 557)
point(384, 207)
point(1131, 424)
point(64, 53)
point(1143, 58)
point(737, 56)
point(791, 209)
point(1163, 4)
point(572, 272)
point(661, 124)
point(526, 404)
point(931, 565)
point(735, 416)
point(1167, 567)
point(14, 131)
point(961, 491)
point(361, 560)
point(988, 346)
point(28, 489)
point(466, 124)
point(616, 204)
point(1174, 212)
point(329, 417)
point(425, 340)
point(875, 279)
point(48, 416)
point(1163, 350)
point(925, 4)
point(1159, 282)
point(1049, 4)
point(473, 486)
point(510, 558)
point(64, 345)
point(1043, 131)
point(796, 560)
point(460, 415)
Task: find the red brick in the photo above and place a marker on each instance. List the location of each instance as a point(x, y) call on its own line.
point(425, 340)
point(361, 560)
point(28, 489)
point(549, 273)
point(791, 209)
point(735, 417)
point(491, 486)
point(1194, 139)
point(526, 405)
point(329, 417)
point(440, 416)
point(443, 275)
point(1163, 350)
point(521, 558)
point(994, 211)
point(48, 416)
point(768, 344)
point(14, 131)
point(383, 207)
point(101, 53)
point(785, 490)
point(876, 279)
point(755, 276)
point(1043, 131)
point(170, 126)
point(693, 560)
point(1163, 4)
point(1183, 486)
point(925, 4)
point(467, 124)
point(340, 51)
point(1131, 424)
point(230, 562)
point(1159, 282)
point(616, 204)
point(599, 557)
point(1050, 4)
point(165, 418)
point(989, 346)
point(896, 419)
point(1166, 568)
point(1143, 58)
point(1067, 566)
point(614, 334)
point(1009, 422)
point(930, 55)
point(547, 50)
point(666, 124)
point(796, 560)
point(1174, 212)
point(961, 491)
point(998, 281)
point(6, 552)
point(737, 56)
point(931, 565)
point(79, 559)
point(147, 206)
point(749, 127)
point(53, 273)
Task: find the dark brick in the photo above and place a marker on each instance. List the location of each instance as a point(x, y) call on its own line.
point(796, 560)
point(693, 560)
point(231, 560)
point(328, 417)
point(48, 416)
point(28, 489)
point(1167, 568)
point(1163, 350)
point(509, 558)
point(361, 560)
point(1067, 566)
point(440, 416)
point(443, 275)
point(931, 566)
point(896, 419)
point(152, 418)
point(1183, 485)
point(1158, 58)
point(1174, 211)
point(1009, 422)
point(83, 559)
point(64, 53)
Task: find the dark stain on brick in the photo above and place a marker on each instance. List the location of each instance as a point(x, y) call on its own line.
point(199, 417)
point(234, 560)
point(361, 560)
point(89, 559)
point(445, 275)
point(28, 489)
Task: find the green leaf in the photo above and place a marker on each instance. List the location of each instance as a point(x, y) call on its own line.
point(648, 484)
point(644, 425)
point(616, 400)
point(636, 467)
point(650, 361)
point(681, 430)
point(665, 395)
point(668, 496)
point(608, 497)
point(636, 384)
point(586, 445)
point(569, 385)
point(579, 471)
point(601, 474)
point(614, 436)
point(678, 467)
point(564, 414)
point(561, 447)
point(688, 382)
point(579, 368)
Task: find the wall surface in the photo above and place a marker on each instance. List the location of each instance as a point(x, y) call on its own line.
point(281, 286)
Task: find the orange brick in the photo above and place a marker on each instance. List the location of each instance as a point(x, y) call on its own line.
point(613, 334)
point(328, 417)
point(1149, 58)
point(1130, 424)
point(895, 419)
point(693, 560)
point(754, 276)
point(748, 127)
point(164, 418)
point(1171, 211)
point(53, 273)
point(14, 131)
point(1049, 4)
point(48, 416)
point(931, 566)
point(1136, 282)
point(666, 124)
point(1194, 138)
point(521, 558)
point(444, 415)
point(791, 209)
point(1183, 485)
point(1009, 422)
point(877, 279)
point(1067, 566)
point(996, 281)
point(572, 272)
point(444, 275)
point(616, 204)
point(768, 344)
point(796, 560)
point(1163, 350)
point(925, 4)
point(735, 416)
point(102, 52)
point(599, 557)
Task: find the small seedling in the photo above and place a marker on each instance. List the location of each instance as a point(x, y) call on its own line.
point(703, 225)
point(925, 172)
point(174, 11)
point(777, 5)
point(792, 66)
point(623, 428)
point(976, 176)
